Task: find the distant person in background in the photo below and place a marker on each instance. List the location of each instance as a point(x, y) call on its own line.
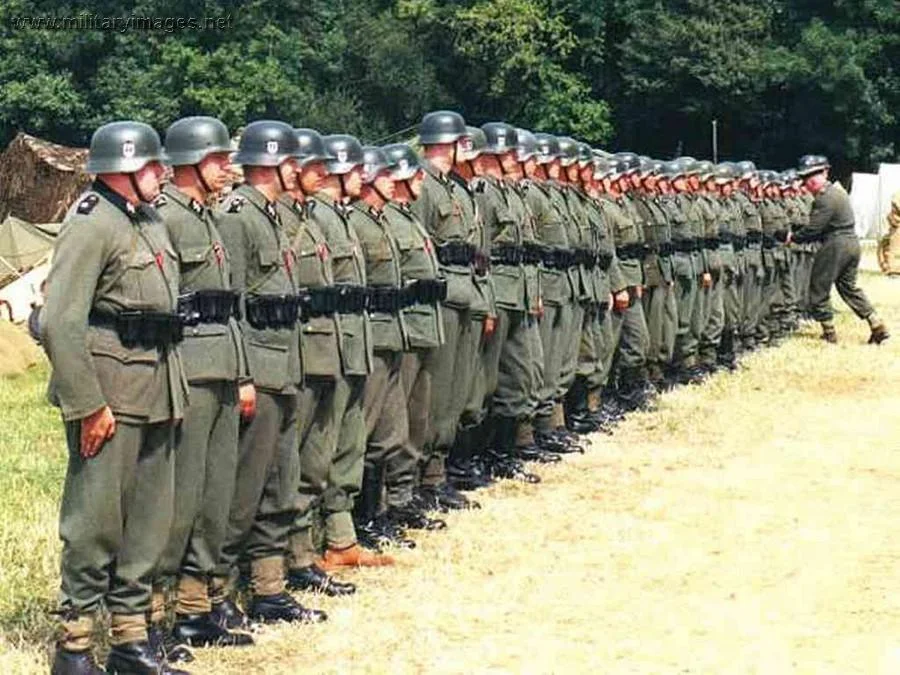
point(831, 221)
point(889, 246)
point(34, 319)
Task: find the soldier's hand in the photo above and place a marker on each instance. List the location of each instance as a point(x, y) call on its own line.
point(621, 300)
point(639, 292)
point(247, 397)
point(489, 326)
point(707, 280)
point(96, 429)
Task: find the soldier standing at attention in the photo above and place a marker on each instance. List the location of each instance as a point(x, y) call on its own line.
point(110, 330)
point(837, 261)
point(198, 150)
point(321, 401)
point(264, 505)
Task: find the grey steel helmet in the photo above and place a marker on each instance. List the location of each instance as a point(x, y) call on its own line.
point(123, 147)
point(266, 143)
point(190, 139)
point(526, 145)
point(547, 148)
point(628, 161)
point(789, 176)
point(442, 126)
point(706, 169)
point(311, 147)
point(746, 170)
point(602, 167)
point(402, 160)
point(689, 165)
point(473, 143)
point(768, 177)
point(673, 170)
point(585, 154)
point(500, 138)
point(726, 171)
point(568, 150)
point(375, 161)
point(811, 164)
point(346, 152)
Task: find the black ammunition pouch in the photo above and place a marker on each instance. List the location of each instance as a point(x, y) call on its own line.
point(316, 302)
point(586, 258)
point(781, 236)
point(666, 249)
point(425, 292)
point(456, 253)
point(559, 258)
point(604, 260)
point(139, 328)
point(685, 245)
point(272, 311)
point(711, 243)
point(768, 242)
point(630, 252)
point(532, 253)
point(754, 237)
point(209, 306)
point(507, 254)
point(352, 299)
point(386, 299)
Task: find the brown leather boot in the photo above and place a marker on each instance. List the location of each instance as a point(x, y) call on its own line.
point(353, 556)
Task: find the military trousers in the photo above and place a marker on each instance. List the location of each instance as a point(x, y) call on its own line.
point(788, 292)
point(570, 344)
point(332, 441)
point(206, 453)
point(715, 323)
point(452, 367)
point(387, 426)
point(754, 276)
point(264, 505)
point(552, 328)
point(509, 355)
point(610, 333)
point(634, 339)
point(116, 517)
point(657, 302)
point(837, 264)
point(685, 352)
point(416, 380)
point(590, 339)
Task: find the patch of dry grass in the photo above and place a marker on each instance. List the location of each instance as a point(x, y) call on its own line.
point(748, 526)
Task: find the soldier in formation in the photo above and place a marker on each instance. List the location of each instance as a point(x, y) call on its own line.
point(263, 390)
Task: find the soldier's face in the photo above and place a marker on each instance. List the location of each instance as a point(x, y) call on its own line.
point(694, 182)
point(353, 182)
point(215, 169)
point(288, 171)
point(816, 182)
point(148, 180)
point(530, 166)
point(635, 180)
point(385, 184)
point(312, 175)
point(509, 163)
point(553, 169)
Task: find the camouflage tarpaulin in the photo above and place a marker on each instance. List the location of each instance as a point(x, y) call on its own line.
point(39, 180)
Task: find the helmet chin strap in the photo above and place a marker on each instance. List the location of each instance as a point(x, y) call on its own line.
point(199, 174)
point(284, 187)
point(137, 189)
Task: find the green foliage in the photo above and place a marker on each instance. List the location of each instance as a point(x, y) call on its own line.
point(782, 77)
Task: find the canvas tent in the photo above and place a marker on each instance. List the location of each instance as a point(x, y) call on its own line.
point(39, 180)
point(23, 246)
point(871, 198)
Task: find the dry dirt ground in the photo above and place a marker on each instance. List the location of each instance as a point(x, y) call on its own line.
point(749, 526)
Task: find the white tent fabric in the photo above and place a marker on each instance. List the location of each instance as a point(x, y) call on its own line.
point(871, 198)
point(16, 298)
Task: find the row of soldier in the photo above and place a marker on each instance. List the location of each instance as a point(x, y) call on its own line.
point(281, 385)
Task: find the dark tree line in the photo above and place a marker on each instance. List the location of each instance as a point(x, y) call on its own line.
point(781, 77)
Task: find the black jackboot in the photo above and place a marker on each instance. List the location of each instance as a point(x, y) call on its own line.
point(371, 531)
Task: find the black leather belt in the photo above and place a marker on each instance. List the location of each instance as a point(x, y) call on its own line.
point(456, 253)
point(272, 311)
point(209, 306)
point(507, 254)
point(139, 328)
